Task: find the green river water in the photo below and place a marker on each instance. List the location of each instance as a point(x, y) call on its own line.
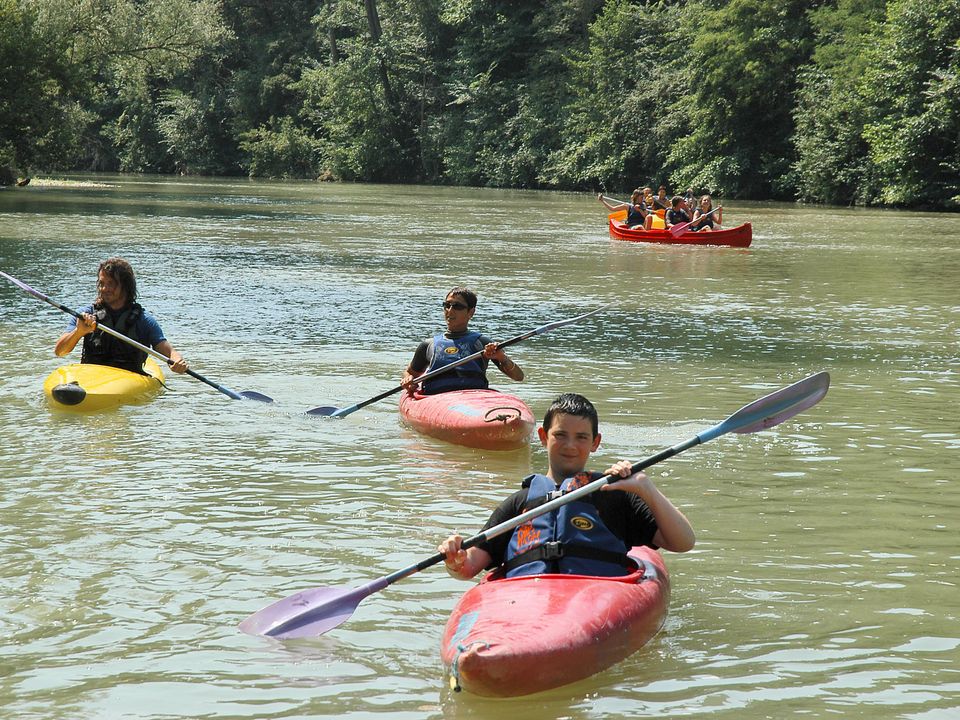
point(824, 580)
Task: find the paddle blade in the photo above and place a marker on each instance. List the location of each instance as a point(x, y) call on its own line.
point(306, 614)
point(254, 395)
point(324, 411)
point(679, 228)
point(776, 407)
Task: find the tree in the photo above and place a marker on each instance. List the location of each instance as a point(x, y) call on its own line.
point(833, 163)
point(738, 93)
point(911, 93)
point(36, 120)
point(612, 125)
point(96, 68)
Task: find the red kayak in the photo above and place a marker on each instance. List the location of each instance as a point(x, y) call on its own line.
point(486, 419)
point(522, 635)
point(740, 236)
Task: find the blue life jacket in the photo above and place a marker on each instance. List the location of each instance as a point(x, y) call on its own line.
point(100, 348)
point(569, 540)
point(443, 351)
point(635, 216)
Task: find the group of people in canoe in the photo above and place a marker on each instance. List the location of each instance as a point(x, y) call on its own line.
point(590, 536)
point(647, 211)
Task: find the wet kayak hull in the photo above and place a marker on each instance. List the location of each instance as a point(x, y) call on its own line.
point(516, 636)
point(485, 419)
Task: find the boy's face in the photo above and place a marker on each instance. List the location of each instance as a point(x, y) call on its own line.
point(569, 442)
point(456, 313)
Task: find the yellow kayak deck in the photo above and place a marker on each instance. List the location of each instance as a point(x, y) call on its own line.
point(89, 388)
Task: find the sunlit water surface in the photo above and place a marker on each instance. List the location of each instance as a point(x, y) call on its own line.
point(824, 581)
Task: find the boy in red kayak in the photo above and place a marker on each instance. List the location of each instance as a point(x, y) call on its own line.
point(590, 536)
point(458, 342)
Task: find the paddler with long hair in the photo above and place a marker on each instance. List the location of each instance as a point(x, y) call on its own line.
point(116, 307)
point(458, 342)
point(589, 536)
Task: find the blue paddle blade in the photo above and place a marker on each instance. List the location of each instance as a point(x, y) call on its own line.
point(324, 411)
point(774, 408)
point(254, 395)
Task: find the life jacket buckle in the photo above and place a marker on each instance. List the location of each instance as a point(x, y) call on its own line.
point(552, 550)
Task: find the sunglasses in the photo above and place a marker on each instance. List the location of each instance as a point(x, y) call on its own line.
point(447, 305)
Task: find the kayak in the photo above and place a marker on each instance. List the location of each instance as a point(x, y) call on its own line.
point(85, 387)
point(486, 419)
point(522, 635)
point(740, 236)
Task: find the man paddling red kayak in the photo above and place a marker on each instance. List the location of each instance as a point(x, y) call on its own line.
point(589, 537)
point(458, 342)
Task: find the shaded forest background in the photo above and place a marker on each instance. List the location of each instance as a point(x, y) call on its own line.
point(842, 101)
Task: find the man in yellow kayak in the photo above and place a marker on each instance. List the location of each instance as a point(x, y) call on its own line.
point(458, 342)
point(116, 307)
point(589, 536)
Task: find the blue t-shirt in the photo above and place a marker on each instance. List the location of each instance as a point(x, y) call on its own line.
point(148, 329)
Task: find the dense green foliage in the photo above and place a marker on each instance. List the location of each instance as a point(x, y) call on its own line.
point(839, 101)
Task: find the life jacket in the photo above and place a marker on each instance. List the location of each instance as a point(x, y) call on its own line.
point(705, 220)
point(636, 214)
point(675, 217)
point(443, 351)
point(569, 540)
point(100, 348)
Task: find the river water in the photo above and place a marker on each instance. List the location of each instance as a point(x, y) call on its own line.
point(824, 580)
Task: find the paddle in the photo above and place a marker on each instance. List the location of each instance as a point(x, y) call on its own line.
point(317, 610)
point(622, 202)
point(332, 411)
point(245, 395)
point(680, 228)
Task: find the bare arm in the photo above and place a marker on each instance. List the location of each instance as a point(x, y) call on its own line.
point(674, 531)
point(618, 206)
point(86, 324)
point(507, 366)
point(409, 375)
point(416, 368)
point(462, 563)
point(165, 348)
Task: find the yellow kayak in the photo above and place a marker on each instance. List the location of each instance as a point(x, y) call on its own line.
point(89, 388)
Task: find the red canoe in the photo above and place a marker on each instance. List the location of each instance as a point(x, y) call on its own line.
point(740, 236)
point(523, 635)
point(485, 419)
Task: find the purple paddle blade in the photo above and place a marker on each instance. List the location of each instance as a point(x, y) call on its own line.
point(309, 613)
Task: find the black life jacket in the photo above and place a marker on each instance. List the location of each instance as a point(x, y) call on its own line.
point(99, 348)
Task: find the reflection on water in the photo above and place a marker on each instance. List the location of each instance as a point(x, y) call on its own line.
point(824, 579)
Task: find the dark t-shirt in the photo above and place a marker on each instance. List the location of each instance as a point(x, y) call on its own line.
point(624, 514)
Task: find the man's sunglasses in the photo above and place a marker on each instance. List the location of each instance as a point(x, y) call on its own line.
point(447, 305)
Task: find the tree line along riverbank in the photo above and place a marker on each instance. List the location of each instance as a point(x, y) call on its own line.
point(839, 102)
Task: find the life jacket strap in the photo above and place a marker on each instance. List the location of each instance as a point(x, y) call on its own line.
point(553, 552)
